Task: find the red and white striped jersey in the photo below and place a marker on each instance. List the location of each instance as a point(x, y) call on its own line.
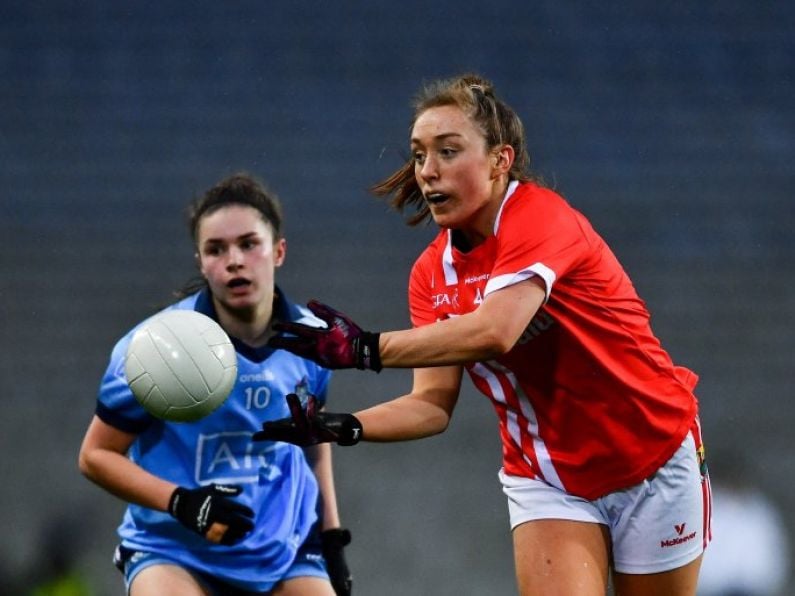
point(587, 399)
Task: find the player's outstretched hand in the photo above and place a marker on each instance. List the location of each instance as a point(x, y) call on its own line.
point(209, 511)
point(333, 544)
point(341, 344)
point(310, 426)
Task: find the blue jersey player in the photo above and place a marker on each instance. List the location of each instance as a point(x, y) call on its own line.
point(210, 511)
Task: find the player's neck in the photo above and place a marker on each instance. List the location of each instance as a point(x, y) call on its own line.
point(251, 326)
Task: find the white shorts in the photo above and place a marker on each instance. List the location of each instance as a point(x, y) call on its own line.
point(657, 525)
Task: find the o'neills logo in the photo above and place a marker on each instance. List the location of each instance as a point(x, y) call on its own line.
point(680, 539)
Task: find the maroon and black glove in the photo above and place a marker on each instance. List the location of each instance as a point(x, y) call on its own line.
point(341, 344)
point(311, 426)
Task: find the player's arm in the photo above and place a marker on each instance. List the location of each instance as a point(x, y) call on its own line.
point(207, 510)
point(333, 538)
point(103, 460)
point(319, 457)
point(424, 412)
point(489, 331)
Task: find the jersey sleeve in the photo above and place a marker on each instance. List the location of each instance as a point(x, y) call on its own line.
point(538, 234)
point(421, 291)
point(116, 404)
point(319, 377)
point(320, 385)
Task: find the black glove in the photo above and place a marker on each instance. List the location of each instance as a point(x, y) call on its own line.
point(332, 544)
point(310, 426)
point(341, 344)
point(199, 508)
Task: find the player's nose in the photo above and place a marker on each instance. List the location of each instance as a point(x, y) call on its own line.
point(234, 258)
point(429, 169)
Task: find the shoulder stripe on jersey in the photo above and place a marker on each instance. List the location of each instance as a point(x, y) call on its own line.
point(450, 275)
point(512, 186)
point(508, 279)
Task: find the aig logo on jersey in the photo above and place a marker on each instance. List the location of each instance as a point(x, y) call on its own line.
point(445, 299)
point(232, 457)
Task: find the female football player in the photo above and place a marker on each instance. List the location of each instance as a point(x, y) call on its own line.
point(207, 513)
point(602, 455)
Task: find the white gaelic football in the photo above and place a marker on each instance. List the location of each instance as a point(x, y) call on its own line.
point(180, 365)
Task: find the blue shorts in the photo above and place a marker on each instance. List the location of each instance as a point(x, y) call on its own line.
point(308, 562)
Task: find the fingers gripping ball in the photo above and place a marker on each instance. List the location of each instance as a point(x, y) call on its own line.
point(180, 365)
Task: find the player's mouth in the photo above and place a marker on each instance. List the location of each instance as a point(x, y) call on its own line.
point(239, 284)
point(436, 198)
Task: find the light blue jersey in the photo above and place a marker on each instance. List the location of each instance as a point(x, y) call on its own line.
point(277, 482)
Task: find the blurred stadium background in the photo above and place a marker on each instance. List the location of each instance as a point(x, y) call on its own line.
point(669, 124)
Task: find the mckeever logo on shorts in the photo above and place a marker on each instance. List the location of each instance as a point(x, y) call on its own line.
point(680, 538)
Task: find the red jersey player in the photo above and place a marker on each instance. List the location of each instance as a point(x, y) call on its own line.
point(602, 458)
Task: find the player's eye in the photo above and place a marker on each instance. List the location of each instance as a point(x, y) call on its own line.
point(419, 158)
point(213, 250)
point(448, 152)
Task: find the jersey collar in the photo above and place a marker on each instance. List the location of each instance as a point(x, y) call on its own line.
point(283, 310)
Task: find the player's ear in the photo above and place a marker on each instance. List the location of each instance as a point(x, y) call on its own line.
point(279, 251)
point(199, 263)
point(503, 157)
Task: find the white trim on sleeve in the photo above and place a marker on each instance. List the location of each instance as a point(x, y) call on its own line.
point(508, 279)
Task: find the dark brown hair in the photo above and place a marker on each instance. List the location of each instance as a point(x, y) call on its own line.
point(237, 189)
point(497, 121)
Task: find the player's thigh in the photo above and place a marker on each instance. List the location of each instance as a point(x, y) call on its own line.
point(677, 582)
point(304, 586)
point(561, 557)
point(166, 580)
